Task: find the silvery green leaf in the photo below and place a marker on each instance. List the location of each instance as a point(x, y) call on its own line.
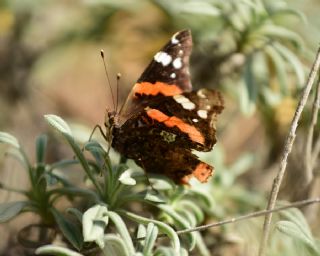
point(160, 182)
point(163, 227)
point(11, 209)
point(151, 236)
point(126, 179)
point(276, 31)
point(179, 221)
point(94, 221)
point(193, 207)
point(123, 230)
point(291, 229)
point(56, 250)
point(114, 246)
point(9, 139)
point(155, 198)
point(59, 124)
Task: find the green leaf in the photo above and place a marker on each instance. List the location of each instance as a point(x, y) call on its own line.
point(151, 236)
point(123, 230)
point(279, 32)
point(76, 213)
point(63, 164)
point(280, 67)
point(242, 164)
point(160, 182)
point(94, 221)
point(126, 179)
point(56, 250)
point(194, 208)
point(198, 7)
point(296, 216)
point(41, 145)
point(293, 230)
point(74, 191)
point(62, 126)
point(11, 209)
point(293, 61)
point(68, 229)
point(115, 246)
point(163, 227)
point(59, 124)
point(9, 139)
point(179, 221)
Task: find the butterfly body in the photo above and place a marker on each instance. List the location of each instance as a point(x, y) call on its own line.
point(163, 120)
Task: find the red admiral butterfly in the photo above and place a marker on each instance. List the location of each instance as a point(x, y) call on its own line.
point(162, 119)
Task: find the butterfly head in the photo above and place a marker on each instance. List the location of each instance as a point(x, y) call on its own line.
point(109, 123)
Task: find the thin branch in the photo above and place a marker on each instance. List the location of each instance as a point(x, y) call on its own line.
point(286, 151)
point(297, 204)
point(315, 111)
point(310, 156)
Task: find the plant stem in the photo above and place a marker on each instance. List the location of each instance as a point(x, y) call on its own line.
point(309, 157)
point(286, 151)
point(315, 110)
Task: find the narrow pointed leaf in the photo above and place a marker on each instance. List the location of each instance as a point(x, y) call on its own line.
point(11, 209)
point(71, 232)
point(56, 250)
point(9, 139)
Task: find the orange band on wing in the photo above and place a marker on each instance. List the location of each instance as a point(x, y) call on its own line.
point(202, 172)
point(172, 121)
point(156, 88)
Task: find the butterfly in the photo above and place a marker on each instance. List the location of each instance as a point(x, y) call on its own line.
point(163, 119)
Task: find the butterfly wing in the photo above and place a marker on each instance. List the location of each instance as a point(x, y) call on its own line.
point(166, 75)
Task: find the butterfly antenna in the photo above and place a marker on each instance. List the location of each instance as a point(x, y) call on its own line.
point(117, 97)
point(107, 76)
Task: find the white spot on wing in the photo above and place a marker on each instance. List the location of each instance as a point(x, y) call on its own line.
point(173, 75)
point(195, 120)
point(177, 63)
point(180, 52)
point(174, 39)
point(184, 101)
point(201, 94)
point(203, 114)
point(163, 58)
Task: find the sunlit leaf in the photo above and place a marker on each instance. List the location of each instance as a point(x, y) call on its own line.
point(114, 246)
point(9, 139)
point(123, 230)
point(151, 236)
point(126, 179)
point(94, 222)
point(163, 227)
point(59, 124)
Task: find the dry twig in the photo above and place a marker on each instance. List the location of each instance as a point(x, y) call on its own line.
point(297, 204)
point(286, 151)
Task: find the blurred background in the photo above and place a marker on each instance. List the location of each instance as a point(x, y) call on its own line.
point(257, 53)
